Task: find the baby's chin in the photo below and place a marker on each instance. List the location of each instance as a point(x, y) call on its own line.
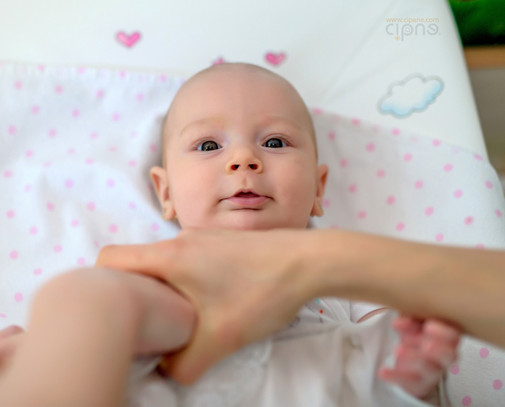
point(250, 223)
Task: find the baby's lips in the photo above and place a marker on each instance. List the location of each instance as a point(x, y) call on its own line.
point(246, 192)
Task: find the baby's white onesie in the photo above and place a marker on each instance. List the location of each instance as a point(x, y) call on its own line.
point(321, 359)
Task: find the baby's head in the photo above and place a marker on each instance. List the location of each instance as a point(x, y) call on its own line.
point(239, 152)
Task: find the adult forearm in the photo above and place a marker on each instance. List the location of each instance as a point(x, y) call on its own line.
point(269, 275)
point(466, 286)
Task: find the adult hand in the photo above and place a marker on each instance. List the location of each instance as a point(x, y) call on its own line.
point(242, 289)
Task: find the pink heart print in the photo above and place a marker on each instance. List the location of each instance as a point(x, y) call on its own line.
point(128, 40)
point(275, 59)
point(218, 61)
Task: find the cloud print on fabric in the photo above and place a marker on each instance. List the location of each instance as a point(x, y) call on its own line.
point(414, 94)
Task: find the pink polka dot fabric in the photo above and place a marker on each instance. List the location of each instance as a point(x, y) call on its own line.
point(478, 376)
point(77, 144)
point(389, 182)
point(392, 182)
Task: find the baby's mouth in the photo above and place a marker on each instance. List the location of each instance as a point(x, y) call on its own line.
point(247, 200)
point(246, 194)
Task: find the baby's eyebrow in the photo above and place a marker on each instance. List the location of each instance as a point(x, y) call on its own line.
point(207, 121)
point(219, 123)
point(273, 120)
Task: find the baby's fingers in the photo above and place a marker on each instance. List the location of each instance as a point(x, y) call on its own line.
point(410, 381)
point(442, 331)
point(440, 344)
point(399, 377)
point(409, 330)
point(407, 324)
point(413, 372)
point(439, 354)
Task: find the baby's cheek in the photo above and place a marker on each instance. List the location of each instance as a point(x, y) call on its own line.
point(303, 185)
point(299, 200)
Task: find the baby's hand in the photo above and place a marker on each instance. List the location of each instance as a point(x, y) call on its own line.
point(9, 341)
point(426, 349)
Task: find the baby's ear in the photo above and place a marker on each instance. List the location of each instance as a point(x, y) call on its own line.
point(322, 175)
point(159, 179)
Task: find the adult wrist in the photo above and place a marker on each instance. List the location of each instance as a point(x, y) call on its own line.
point(351, 264)
point(316, 263)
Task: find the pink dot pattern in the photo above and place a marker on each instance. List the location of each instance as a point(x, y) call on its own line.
point(78, 181)
point(425, 190)
point(73, 171)
point(477, 378)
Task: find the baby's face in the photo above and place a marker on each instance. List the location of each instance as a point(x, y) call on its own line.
point(239, 155)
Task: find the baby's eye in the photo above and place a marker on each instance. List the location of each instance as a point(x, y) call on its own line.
point(275, 143)
point(208, 145)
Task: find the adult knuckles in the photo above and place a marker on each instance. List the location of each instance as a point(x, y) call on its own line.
point(173, 250)
point(228, 334)
point(124, 257)
point(105, 254)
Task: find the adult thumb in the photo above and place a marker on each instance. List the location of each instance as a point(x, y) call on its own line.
point(189, 364)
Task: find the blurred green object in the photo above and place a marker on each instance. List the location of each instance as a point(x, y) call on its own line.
point(480, 22)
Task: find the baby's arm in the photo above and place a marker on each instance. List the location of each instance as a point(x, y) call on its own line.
point(426, 349)
point(84, 328)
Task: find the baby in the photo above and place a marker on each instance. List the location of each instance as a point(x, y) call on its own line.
point(239, 152)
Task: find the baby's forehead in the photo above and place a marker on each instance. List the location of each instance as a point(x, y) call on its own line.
point(206, 83)
point(229, 75)
point(240, 70)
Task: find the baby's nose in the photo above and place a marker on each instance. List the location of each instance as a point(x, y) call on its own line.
point(245, 161)
point(252, 166)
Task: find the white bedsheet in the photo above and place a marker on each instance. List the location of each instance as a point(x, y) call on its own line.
point(76, 146)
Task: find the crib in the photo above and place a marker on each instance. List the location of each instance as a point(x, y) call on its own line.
point(84, 87)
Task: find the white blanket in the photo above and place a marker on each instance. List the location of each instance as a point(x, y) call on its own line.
point(76, 146)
